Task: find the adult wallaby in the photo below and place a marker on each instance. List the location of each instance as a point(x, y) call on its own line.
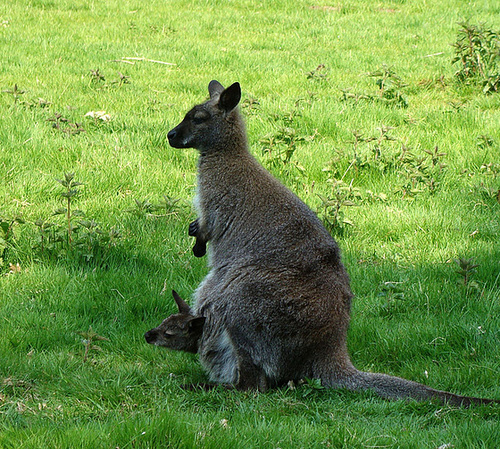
point(277, 297)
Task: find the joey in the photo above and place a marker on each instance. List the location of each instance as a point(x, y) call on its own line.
point(181, 331)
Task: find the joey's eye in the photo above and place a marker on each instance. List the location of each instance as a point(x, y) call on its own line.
point(200, 117)
point(168, 335)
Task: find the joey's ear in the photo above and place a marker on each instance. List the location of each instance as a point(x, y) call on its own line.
point(215, 88)
point(230, 97)
point(196, 324)
point(181, 304)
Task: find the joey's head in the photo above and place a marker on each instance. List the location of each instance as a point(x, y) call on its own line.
point(211, 125)
point(181, 331)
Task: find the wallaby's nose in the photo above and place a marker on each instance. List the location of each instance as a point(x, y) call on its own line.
point(172, 134)
point(149, 336)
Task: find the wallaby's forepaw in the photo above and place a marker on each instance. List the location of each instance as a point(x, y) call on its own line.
point(200, 248)
point(194, 227)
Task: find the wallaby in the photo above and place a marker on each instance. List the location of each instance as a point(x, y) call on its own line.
point(181, 331)
point(277, 297)
point(200, 247)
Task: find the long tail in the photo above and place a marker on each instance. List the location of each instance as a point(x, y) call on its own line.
point(391, 387)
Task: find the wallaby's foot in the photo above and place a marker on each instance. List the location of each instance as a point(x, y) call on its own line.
point(200, 248)
point(258, 385)
point(194, 227)
point(250, 376)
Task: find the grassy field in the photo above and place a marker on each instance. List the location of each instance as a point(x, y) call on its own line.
point(354, 105)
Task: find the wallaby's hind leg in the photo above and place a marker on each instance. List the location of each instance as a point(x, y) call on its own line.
point(200, 247)
point(250, 376)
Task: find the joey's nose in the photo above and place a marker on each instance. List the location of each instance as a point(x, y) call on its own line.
point(172, 134)
point(149, 336)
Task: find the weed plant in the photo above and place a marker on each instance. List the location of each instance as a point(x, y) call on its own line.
point(477, 52)
point(402, 165)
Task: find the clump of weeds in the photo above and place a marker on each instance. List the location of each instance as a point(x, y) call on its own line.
point(280, 147)
point(166, 206)
point(421, 173)
point(375, 151)
point(394, 295)
point(437, 82)
point(487, 193)
point(63, 124)
point(309, 387)
point(75, 237)
point(89, 339)
point(98, 79)
point(96, 76)
point(477, 54)
point(7, 238)
point(333, 206)
point(466, 270)
point(391, 86)
point(36, 103)
point(250, 104)
point(484, 141)
point(391, 89)
point(320, 73)
point(15, 92)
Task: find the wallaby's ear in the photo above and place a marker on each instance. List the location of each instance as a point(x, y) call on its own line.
point(181, 304)
point(215, 88)
point(196, 324)
point(230, 97)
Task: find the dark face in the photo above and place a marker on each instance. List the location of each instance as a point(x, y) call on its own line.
point(196, 128)
point(205, 125)
point(180, 332)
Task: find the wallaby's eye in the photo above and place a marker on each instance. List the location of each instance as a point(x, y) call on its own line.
point(168, 335)
point(200, 117)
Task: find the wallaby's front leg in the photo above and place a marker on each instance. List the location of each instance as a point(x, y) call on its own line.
point(200, 247)
point(194, 228)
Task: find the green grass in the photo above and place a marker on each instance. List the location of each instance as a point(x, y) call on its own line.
point(412, 315)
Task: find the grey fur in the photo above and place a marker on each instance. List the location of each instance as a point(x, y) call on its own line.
point(277, 298)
